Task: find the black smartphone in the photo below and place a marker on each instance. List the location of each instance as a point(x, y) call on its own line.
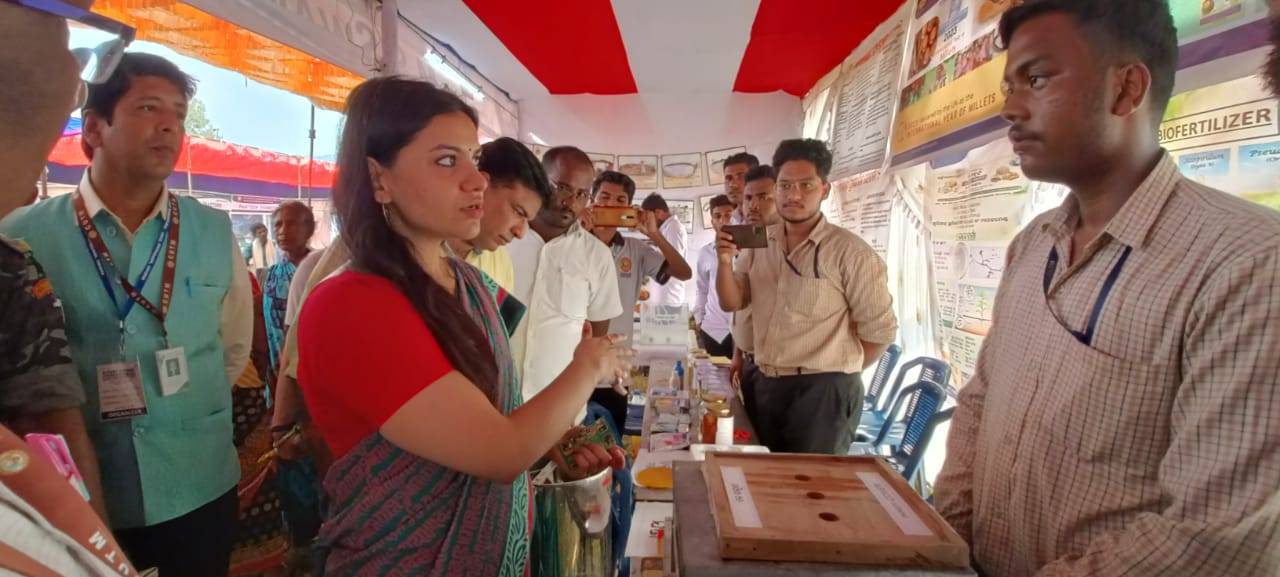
point(748, 235)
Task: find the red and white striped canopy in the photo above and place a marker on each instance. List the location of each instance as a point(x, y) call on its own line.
point(539, 47)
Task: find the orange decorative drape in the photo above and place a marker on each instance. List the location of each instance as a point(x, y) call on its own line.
point(200, 35)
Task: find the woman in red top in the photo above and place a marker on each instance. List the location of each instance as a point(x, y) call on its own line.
point(404, 358)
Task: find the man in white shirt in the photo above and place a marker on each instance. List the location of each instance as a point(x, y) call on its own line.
point(673, 230)
point(564, 274)
point(715, 325)
point(262, 252)
point(735, 171)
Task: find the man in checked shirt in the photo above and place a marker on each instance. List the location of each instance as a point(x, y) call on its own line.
point(1124, 416)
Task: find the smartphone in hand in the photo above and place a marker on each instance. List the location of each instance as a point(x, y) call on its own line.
point(616, 216)
point(748, 235)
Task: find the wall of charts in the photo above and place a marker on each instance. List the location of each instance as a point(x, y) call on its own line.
point(959, 211)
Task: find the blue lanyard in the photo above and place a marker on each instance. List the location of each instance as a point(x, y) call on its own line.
point(102, 261)
point(1051, 268)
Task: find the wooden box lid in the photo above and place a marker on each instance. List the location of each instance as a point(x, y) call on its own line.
point(856, 510)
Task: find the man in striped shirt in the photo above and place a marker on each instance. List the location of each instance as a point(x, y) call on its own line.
point(1123, 417)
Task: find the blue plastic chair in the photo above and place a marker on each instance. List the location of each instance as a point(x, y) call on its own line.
point(908, 454)
point(931, 371)
point(884, 369)
point(921, 400)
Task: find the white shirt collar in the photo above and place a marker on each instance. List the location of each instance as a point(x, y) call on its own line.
point(94, 205)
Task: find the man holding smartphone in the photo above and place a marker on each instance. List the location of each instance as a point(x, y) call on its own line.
point(714, 323)
point(821, 311)
point(735, 169)
point(611, 196)
point(760, 206)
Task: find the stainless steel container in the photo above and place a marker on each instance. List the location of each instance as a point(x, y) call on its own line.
point(571, 535)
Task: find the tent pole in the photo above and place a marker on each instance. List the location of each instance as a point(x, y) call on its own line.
point(390, 44)
point(311, 154)
point(189, 187)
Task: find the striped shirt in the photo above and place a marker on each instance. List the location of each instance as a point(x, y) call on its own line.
point(1152, 445)
point(813, 307)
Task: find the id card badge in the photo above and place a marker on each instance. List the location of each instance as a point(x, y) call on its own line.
point(171, 364)
point(120, 393)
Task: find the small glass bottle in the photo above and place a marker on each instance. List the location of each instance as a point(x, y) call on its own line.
point(711, 411)
point(708, 426)
point(724, 425)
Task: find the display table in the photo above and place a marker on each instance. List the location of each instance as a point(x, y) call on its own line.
point(740, 422)
point(698, 551)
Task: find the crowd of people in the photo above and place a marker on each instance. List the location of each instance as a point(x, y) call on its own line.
point(375, 407)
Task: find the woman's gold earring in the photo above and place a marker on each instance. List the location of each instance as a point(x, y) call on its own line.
point(386, 214)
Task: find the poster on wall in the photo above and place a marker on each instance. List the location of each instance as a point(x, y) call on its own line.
point(683, 211)
point(602, 162)
point(1227, 136)
point(715, 163)
point(1197, 19)
point(865, 101)
point(863, 206)
point(682, 170)
point(973, 208)
point(955, 71)
point(642, 169)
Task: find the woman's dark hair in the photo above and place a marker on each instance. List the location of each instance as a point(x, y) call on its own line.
point(508, 162)
point(383, 116)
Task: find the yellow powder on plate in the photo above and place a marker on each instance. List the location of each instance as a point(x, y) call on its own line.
point(655, 478)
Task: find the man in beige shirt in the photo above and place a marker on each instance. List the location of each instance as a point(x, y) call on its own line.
point(821, 311)
point(1123, 418)
point(760, 206)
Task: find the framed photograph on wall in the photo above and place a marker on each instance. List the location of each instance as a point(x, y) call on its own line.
point(715, 163)
point(683, 211)
point(603, 162)
point(682, 170)
point(704, 206)
point(642, 169)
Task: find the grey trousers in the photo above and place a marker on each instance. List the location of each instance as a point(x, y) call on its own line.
point(808, 413)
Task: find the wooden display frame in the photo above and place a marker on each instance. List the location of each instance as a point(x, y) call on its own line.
point(817, 508)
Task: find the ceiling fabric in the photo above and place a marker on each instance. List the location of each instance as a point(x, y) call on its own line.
point(572, 47)
point(794, 43)
point(603, 47)
point(211, 39)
